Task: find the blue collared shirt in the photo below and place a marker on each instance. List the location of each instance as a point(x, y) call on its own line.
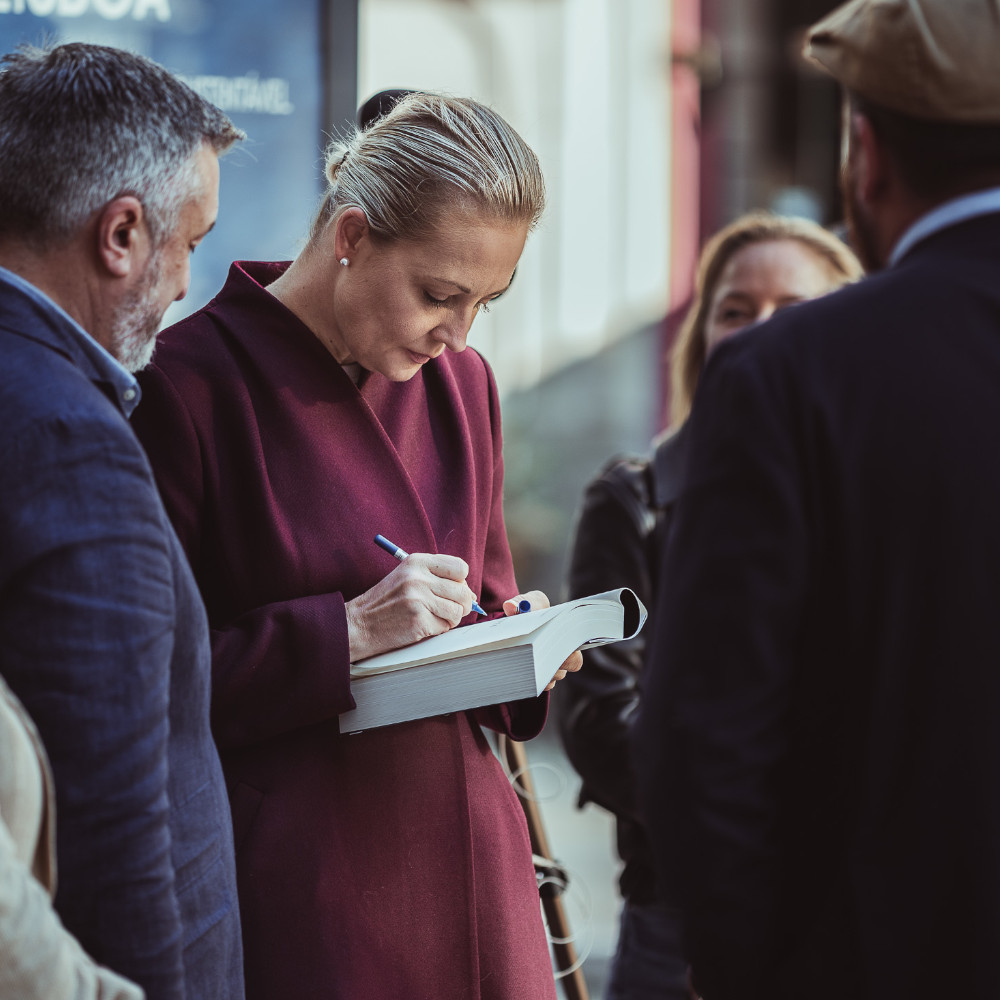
point(967, 206)
point(125, 386)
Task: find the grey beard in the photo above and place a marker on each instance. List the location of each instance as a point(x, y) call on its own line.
point(136, 323)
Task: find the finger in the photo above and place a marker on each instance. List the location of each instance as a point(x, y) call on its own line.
point(537, 597)
point(560, 674)
point(419, 586)
point(449, 612)
point(573, 662)
point(535, 600)
point(445, 567)
point(450, 590)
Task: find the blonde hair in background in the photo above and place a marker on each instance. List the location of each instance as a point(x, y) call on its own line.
point(688, 355)
point(429, 155)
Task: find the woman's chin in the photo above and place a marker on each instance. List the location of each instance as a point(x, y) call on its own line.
point(399, 372)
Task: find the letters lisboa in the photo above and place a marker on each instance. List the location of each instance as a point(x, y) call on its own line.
point(110, 10)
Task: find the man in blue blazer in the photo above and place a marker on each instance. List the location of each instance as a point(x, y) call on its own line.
point(108, 180)
point(819, 745)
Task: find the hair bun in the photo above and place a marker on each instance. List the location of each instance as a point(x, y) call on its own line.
point(336, 155)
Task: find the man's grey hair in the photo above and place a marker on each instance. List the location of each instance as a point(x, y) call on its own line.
point(81, 125)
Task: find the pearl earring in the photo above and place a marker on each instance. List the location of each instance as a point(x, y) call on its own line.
point(344, 261)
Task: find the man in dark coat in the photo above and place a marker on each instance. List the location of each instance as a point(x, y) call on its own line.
point(819, 746)
point(108, 179)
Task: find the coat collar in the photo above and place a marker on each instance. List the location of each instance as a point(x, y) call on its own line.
point(969, 206)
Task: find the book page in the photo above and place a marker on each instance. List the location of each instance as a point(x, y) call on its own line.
point(478, 637)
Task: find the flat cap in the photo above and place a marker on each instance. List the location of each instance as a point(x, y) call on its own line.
point(933, 59)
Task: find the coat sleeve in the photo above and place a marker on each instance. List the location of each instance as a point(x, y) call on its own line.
point(713, 726)
point(598, 703)
point(86, 637)
point(278, 667)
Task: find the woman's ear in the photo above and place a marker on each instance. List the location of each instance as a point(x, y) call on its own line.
point(352, 229)
point(121, 235)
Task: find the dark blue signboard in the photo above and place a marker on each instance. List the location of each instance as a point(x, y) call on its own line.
point(260, 61)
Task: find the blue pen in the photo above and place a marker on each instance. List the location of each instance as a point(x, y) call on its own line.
point(523, 606)
point(396, 552)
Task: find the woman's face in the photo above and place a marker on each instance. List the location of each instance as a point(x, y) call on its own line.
point(397, 305)
point(761, 278)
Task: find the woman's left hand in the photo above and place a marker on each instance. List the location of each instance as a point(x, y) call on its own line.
point(538, 600)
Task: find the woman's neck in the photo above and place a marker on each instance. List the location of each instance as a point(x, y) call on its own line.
point(296, 290)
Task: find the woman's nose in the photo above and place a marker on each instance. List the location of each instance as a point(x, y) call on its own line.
point(454, 333)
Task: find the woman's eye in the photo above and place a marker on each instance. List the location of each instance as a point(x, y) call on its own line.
point(435, 301)
point(734, 316)
point(483, 307)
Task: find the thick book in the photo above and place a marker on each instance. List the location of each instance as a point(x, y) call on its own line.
point(487, 663)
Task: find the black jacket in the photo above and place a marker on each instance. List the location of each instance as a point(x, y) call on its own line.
point(819, 746)
point(625, 514)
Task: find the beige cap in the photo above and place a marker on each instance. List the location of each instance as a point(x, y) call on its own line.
point(932, 59)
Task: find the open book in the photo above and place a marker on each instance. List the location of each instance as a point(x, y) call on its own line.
point(487, 663)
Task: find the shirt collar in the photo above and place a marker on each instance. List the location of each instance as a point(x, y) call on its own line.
point(968, 206)
point(122, 381)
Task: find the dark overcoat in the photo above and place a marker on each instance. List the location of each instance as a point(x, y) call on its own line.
point(394, 863)
point(104, 639)
point(819, 744)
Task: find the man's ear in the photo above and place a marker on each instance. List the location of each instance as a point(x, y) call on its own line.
point(352, 229)
point(872, 168)
point(121, 235)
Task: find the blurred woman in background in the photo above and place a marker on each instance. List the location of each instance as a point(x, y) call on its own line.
point(758, 264)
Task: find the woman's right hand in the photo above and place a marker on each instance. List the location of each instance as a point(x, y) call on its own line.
point(424, 595)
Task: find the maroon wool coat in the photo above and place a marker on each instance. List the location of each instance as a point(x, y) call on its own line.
point(394, 863)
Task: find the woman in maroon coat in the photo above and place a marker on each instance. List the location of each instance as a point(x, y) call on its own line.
point(308, 407)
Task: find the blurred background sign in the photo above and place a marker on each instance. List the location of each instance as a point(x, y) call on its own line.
point(268, 63)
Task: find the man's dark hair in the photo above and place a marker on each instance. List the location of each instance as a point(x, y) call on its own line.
point(81, 125)
point(937, 160)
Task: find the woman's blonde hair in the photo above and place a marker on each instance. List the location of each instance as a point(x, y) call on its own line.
point(688, 355)
point(429, 155)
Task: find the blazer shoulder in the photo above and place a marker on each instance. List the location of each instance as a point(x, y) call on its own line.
point(46, 395)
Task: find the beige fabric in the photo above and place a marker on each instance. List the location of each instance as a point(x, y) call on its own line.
point(39, 959)
point(27, 808)
point(932, 59)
